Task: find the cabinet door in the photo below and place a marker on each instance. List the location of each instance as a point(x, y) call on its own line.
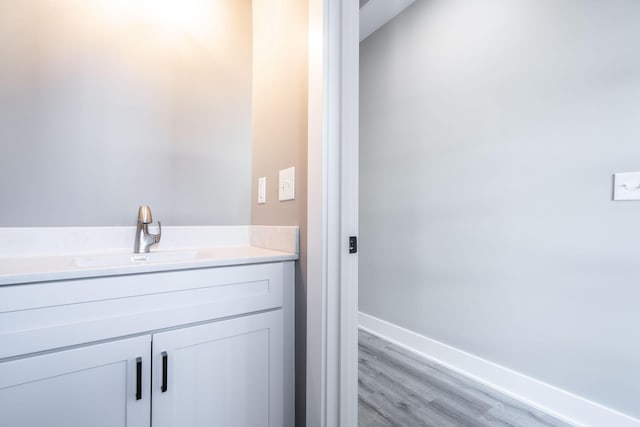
point(227, 373)
point(95, 386)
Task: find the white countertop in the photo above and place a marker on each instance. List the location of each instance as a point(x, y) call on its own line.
point(50, 268)
point(229, 246)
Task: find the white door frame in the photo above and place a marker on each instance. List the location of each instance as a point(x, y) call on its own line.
point(332, 277)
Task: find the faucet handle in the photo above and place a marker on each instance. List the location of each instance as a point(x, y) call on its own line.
point(157, 236)
point(144, 215)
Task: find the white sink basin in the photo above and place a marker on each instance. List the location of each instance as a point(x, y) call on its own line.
point(129, 259)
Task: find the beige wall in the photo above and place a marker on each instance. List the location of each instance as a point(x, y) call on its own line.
point(279, 117)
point(279, 134)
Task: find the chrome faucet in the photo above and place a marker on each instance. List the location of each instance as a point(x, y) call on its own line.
point(144, 239)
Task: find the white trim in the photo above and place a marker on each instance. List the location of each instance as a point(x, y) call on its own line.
point(316, 356)
point(332, 214)
point(332, 142)
point(349, 201)
point(550, 399)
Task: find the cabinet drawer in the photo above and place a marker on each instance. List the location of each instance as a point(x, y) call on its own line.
point(43, 316)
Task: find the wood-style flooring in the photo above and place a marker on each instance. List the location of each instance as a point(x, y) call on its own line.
point(400, 388)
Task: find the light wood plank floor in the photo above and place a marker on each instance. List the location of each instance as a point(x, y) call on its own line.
point(399, 388)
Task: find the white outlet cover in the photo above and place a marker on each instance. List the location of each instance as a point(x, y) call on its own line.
point(262, 190)
point(287, 184)
point(626, 186)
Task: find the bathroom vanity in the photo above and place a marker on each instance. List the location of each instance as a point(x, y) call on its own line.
point(192, 337)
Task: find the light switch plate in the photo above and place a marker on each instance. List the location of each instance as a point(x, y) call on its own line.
point(286, 184)
point(626, 186)
point(262, 190)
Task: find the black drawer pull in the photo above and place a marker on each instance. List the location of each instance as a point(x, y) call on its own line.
point(138, 378)
point(165, 359)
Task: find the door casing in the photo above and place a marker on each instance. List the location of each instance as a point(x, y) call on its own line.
point(332, 281)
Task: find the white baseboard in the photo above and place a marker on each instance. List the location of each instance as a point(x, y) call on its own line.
point(552, 400)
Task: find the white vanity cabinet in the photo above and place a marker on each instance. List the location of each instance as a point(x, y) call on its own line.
point(226, 373)
point(102, 385)
point(197, 347)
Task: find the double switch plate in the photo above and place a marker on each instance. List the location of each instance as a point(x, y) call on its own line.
point(286, 186)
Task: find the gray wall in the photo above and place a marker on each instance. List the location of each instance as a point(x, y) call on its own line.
point(105, 105)
point(489, 133)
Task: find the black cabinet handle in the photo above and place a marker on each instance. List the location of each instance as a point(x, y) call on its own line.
point(138, 378)
point(164, 371)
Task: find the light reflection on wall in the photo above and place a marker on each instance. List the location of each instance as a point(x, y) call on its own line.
point(170, 19)
point(163, 23)
point(99, 98)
